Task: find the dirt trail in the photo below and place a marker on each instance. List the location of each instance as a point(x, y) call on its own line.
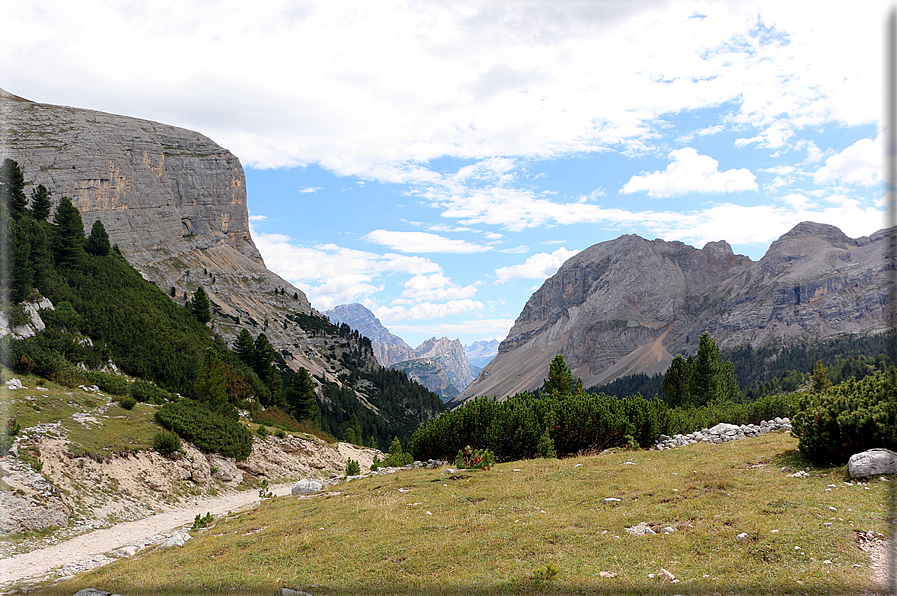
point(93, 549)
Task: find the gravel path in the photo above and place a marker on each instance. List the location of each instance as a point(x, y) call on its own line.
point(92, 549)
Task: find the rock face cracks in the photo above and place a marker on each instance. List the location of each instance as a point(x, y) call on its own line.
point(628, 305)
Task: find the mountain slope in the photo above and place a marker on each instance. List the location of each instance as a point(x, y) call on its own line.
point(628, 305)
point(388, 348)
point(174, 202)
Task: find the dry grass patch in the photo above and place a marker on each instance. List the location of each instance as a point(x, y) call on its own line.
point(498, 532)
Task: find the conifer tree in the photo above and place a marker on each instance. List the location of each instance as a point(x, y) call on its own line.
point(68, 237)
point(211, 386)
point(560, 379)
point(12, 188)
point(300, 396)
point(98, 241)
point(200, 306)
point(41, 258)
point(243, 347)
point(23, 273)
point(820, 378)
point(40, 203)
point(676, 381)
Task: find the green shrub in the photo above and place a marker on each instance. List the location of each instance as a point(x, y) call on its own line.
point(127, 403)
point(848, 418)
point(262, 431)
point(280, 433)
point(545, 447)
point(109, 383)
point(353, 468)
point(468, 457)
point(273, 416)
point(166, 442)
point(208, 430)
point(200, 522)
point(397, 458)
point(376, 463)
point(5, 444)
point(147, 392)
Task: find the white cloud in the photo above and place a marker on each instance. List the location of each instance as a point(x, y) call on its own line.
point(426, 310)
point(691, 172)
point(310, 189)
point(860, 163)
point(331, 274)
point(539, 266)
point(435, 286)
point(422, 242)
point(397, 82)
point(258, 217)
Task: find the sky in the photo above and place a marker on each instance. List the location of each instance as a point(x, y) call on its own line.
point(437, 160)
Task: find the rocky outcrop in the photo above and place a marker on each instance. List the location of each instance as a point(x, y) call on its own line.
point(628, 305)
point(388, 348)
point(440, 365)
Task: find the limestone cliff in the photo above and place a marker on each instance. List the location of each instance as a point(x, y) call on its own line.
point(628, 305)
point(174, 202)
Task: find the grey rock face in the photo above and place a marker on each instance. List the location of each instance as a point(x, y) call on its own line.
point(306, 487)
point(628, 305)
point(875, 462)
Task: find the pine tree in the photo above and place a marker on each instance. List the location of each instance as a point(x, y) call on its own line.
point(40, 203)
point(200, 306)
point(676, 381)
point(211, 386)
point(98, 241)
point(243, 347)
point(820, 378)
point(300, 396)
point(12, 188)
point(41, 258)
point(560, 379)
point(23, 273)
point(68, 237)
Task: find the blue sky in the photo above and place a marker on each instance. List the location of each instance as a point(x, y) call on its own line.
point(436, 160)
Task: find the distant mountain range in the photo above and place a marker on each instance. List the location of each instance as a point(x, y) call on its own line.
point(628, 305)
point(441, 365)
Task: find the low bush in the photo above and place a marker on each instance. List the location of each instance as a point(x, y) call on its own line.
point(166, 442)
point(273, 416)
point(127, 403)
point(147, 392)
point(851, 417)
point(397, 458)
point(262, 431)
point(353, 468)
point(208, 430)
point(109, 383)
point(468, 457)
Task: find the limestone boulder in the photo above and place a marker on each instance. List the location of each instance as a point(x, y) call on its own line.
point(874, 462)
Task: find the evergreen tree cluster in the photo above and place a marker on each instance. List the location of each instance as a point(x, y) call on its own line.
point(700, 380)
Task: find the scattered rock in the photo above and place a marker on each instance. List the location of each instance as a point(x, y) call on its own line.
point(607, 574)
point(292, 592)
point(94, 592)
point(799, 474)
point(176, 539)
point(874, 462)
point(640, 529)
point(723, 433)
point(306, 487)
point(742, 537)
point(610, 501)
point(664, 574)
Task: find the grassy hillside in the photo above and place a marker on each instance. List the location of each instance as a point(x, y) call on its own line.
point(503, 531)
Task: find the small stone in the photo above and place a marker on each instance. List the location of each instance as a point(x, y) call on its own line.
point(827, 524)
point(610, 501)
point(640, 529)
point(832, 509)
point(607, 574)
point(773, 531)
point(292, 592)
point(742, 537)
point(664, 574)
point(827, 562)
point(306, 487)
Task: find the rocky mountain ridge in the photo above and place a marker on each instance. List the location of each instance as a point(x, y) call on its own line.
point(440, 364)
point(628, 305)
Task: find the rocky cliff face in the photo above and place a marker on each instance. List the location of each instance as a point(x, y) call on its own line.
point(440, 365)
point(480, 353)
point(628, 305)
point(388, 348)
point(175, 203)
